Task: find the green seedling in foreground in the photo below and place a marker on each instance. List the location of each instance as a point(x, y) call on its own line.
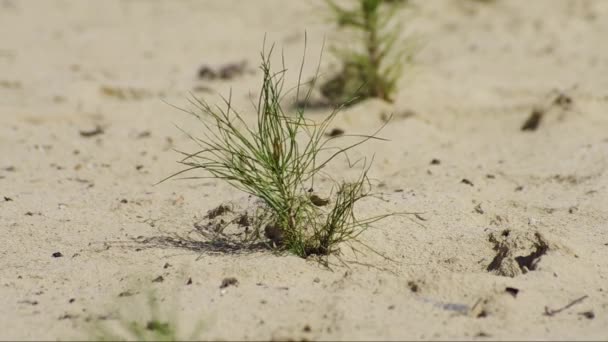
point(277, 160)
point(372, 66)
point(142, 323)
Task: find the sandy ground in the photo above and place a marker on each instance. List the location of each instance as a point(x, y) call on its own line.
point(513, 224)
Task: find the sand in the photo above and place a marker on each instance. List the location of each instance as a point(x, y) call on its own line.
point(513, 224)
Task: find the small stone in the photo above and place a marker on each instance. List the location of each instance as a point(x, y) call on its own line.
point(466, 181)
point(57, 255)
point(336, 132)
point(512, 291)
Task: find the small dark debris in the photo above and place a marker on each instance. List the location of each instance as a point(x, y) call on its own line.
point(220, 210)
point(189, 282)
point(549, 312)
point(8, 199)
point(399, 190)
point(418, 216)
point(413, 286)
point(139, 167)
point(466, 181)
point(490, 176)
point(529, 262)
point(512, 291)
point(72, 300)
point(205, 72)
point(244, 220)
point(224, 72)
point(336, 132)
point(307, 328)
point(318, 201)
point(564, 101)
point(519, 188)
point(158, 279)
point(30, 302)
point(482, 314)
point(144, 134)
point(587, 314)
point(478, 209)
point(127, 293)
point(57, 255)
point(391, 307)
point(533, 121)
point(167, 265)
point(67, 316)
point(572, 210)
point(91, 133)
point(317, 280)
point(230, 281)
point(10, 169)
point(124, 201)
point(482, 334)
point(274, 233)
point(435, 161)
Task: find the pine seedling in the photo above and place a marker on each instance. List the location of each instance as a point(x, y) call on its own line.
point(277, 160)
point(372, 66)
point(143, 323)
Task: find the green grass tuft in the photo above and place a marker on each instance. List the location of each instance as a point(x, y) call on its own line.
point(373, 65)
point(277, 160)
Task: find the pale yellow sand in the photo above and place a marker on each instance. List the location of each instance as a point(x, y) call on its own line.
point(480, 72)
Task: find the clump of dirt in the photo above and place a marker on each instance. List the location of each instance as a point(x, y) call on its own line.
point(223, 72)
point(218, 211)
point(561, 101)
point(517, 252)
